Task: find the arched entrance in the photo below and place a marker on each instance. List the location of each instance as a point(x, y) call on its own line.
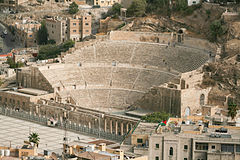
point(187, 111)
point(202, 98)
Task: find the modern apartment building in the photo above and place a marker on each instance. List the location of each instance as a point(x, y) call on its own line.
point(79, 27)
point(57, 29)
point(193, 147)
point(72, 28)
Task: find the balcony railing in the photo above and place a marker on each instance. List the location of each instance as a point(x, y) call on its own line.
point(218, 140)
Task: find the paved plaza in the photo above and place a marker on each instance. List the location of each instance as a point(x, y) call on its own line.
point(15, 131)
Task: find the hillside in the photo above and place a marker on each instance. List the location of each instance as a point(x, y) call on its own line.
point(223, 75)
point(197, 23)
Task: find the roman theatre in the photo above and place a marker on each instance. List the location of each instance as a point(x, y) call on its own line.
point(112, 75)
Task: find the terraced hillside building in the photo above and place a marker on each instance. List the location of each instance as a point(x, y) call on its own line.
point(57, 29)
point(106, 3)
point(115, 74)
point(79, 27)
point(11, 4)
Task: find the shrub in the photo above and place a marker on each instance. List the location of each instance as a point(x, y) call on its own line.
point(208, 12)
point(53, 50)
point(156, 117)
point(12, 64)
point(232, 110)
point(120, 26)
point(73, 8)
point(42, 34)
point(137, 8)
point(158, 7)
point(51, 41)
point(116, 8)
point(208, 82)
point(216, 30)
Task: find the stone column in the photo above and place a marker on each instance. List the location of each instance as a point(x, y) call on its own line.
point(89, 124)
point(122, 128)
point(127, 127)
point(105, 125)
point(61, 119)
point(116, 128)
point(111, 127)
point(131, 125)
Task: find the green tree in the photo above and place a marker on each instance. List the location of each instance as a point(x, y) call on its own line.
point(42, 34)
point(208, 12)
point(52, 50)
point(12, 64)
point(156, 117)
point(73, 8)
point(1, 82)
point(158, 7)
point(232, 110)
point(216, 30)
point(34, 138)
point(51, 41)
point(181, 5)
point(48, 51)
point(116, 8)
point(137, 8)
point(65, 46)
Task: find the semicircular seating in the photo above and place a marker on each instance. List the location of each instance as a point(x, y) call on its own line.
point(114, 74)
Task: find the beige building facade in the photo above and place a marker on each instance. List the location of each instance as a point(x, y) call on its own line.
point(180, 147)
point(79, 27)
point(106, 3)
point(12, 3)
point(173, 97)
point(57, 29)
point(21, 98)
point(26, 31)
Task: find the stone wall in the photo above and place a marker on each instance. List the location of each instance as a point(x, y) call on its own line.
point(191, 93)
point(230, 16)
point(191, 99)
point(161, 99)
point(32, 78)
point(140, 36)
point(165, 141)
point(183, 98)
point(21, 101)
point(161, 38)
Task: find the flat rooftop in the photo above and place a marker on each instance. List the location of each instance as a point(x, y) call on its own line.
point(19, 94)
point(79, 143)
point(138, 113)
point(97, 142)
point(94, 156)
point(31, 91)
point(235, 135)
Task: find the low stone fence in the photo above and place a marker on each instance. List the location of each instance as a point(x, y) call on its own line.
point(66, 125)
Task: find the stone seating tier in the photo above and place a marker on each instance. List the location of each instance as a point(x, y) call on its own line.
point(180, 58)
point(117, 73)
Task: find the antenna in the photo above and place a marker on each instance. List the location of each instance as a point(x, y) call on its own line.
point(65, 139)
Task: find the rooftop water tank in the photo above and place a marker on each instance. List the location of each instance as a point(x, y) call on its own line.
point(7, 153)
point(187, 122)
point(1, 152)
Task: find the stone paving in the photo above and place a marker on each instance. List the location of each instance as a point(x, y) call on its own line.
point(15, 131)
